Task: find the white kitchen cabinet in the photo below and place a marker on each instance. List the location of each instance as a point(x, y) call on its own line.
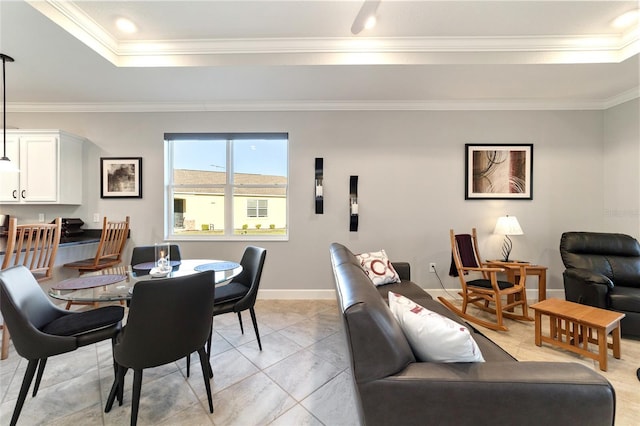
point(50, 164)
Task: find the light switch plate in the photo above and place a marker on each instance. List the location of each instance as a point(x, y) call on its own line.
point(96, 217)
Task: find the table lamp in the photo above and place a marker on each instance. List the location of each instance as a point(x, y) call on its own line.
point(507, 225)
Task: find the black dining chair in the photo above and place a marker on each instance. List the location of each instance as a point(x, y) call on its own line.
point(144, 254)
point(168, 319)
point(39, 329)
point(241, 292)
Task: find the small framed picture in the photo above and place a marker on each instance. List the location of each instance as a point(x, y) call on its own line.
point(120, 177)
point(499, 172)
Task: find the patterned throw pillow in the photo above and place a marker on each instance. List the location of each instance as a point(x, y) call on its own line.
point(432, 336)
point(378, 267)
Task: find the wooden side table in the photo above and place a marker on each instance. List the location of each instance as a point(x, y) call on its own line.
point(512, 269)
point(572, 327)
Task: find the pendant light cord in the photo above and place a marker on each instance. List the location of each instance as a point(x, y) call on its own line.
point(4, 111)
point(5, 58)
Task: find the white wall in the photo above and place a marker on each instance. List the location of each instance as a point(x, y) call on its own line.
point(411, 182)
point(622, 169)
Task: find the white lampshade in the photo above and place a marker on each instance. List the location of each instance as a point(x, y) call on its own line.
point(6, 165)
point(508, 225)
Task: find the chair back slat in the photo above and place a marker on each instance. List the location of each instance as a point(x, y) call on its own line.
point(112, 240)
point(34, 246)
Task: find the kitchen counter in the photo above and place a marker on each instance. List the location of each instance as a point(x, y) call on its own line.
point(88, 237)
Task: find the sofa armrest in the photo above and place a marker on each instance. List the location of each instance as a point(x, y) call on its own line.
point(403, 269)
point(586, 287)
point(522, 393)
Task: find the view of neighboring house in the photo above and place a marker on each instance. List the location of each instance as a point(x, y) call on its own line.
point(199, 200)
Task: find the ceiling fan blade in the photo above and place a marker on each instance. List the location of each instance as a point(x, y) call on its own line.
point(368, 9)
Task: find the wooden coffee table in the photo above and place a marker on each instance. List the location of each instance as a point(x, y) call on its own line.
point(572, 327)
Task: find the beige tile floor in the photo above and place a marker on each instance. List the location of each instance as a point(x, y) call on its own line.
point(519, 342)
point(301, 377)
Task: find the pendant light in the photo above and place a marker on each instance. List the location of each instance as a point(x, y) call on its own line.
point(6, 165)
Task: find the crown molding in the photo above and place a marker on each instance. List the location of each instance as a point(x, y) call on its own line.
point(621, 98)
point(280, 106)
point(72, 19)
point(336, 51)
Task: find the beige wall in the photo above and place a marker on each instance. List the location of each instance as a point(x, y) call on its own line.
point(411, 181)
point(209, 210)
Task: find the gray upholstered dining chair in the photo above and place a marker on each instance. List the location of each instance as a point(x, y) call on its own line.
point(168, 319)
point(35, 246)
point(40, 329)
point(145, 254)
point(241, 292)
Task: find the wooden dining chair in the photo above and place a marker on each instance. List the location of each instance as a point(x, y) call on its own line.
point(109, 253)
point(484, 290)
point(34, 246)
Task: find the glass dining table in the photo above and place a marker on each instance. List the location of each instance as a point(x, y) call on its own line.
point(118, 283)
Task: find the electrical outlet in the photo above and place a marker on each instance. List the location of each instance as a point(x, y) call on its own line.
point(41, 217)
point(432, 267)
point(96, 217)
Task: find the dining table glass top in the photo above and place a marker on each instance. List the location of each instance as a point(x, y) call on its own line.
point(117, 283)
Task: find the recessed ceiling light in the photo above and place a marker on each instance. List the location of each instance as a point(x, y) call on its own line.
point(627, 19)
point(126, 26)
point(371, 22)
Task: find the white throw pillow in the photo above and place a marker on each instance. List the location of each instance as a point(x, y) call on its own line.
point(378, 267)
point(433, 337)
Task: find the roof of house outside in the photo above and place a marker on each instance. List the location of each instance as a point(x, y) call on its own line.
point(203, 177)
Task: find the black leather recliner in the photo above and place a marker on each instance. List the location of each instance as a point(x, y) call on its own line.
point(603, 270)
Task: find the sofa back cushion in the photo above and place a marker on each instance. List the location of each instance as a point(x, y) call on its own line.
point(375, 340)
point(617, 256)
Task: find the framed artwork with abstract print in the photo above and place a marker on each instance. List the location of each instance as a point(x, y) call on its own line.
point(499, 172)
point(121, 177)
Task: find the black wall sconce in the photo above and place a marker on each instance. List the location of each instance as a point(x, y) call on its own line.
point(353, 204)
point(318, 185)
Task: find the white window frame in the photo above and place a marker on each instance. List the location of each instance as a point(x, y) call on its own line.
point(228, 187)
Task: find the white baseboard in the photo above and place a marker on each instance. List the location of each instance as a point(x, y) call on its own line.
point(532, 294)
point(318, 294)
point(296, 294)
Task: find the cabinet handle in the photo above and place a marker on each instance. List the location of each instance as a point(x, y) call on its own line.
point(15, 194)
point(22, 194)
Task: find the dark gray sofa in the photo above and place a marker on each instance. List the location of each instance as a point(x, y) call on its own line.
point(393, 388)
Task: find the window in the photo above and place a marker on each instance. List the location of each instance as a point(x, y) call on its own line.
point(257, 208)
point(226, 186)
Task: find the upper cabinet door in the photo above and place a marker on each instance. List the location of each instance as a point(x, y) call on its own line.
point(10, 181)
point(51, 168)
point(39, 168)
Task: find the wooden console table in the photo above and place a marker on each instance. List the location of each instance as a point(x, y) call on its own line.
point(512, 269)
point(571, 327)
